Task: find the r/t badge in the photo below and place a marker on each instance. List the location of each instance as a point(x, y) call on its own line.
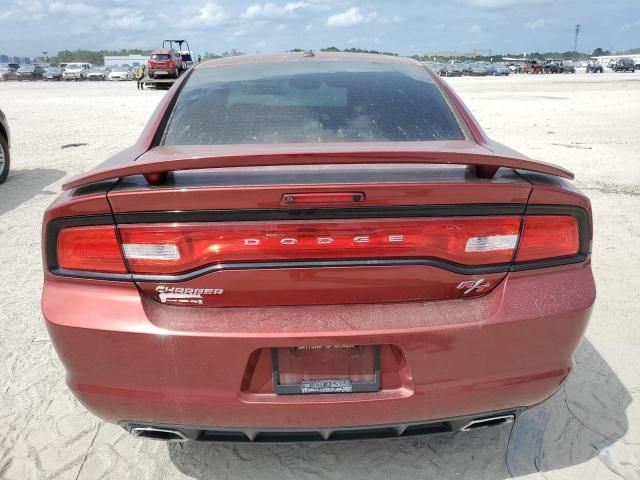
point(471, 286)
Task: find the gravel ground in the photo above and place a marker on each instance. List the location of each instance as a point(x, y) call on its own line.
point(589, 430)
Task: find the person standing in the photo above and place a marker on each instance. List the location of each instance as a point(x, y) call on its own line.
point(139, 76)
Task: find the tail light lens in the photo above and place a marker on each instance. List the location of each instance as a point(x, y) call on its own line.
point(548, 236)
point(175, 248)
point(94, 249)
point(182, 247)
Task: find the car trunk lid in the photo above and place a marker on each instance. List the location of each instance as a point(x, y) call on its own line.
point(296, 234)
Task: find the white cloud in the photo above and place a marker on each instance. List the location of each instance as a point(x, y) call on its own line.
point(496, 4)
point(72, 8)
point(535, 24)
point(210, 14)
point(135, 21)
point(272, 11)
point(475, 29)
point(350, 18)
point(253, 11)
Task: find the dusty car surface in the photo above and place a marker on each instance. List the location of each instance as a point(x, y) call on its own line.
point(315, 247)
point(5, 154)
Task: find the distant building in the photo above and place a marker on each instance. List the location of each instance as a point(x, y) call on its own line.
point(11, 59)
point(131, 60)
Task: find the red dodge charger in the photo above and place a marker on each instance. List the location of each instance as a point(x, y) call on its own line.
point(315, 247)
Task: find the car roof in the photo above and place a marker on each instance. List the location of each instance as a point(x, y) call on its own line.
point(161, 50)
point(261, 59)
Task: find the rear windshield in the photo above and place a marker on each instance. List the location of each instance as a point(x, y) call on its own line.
point(160, 56)
point(310, 102)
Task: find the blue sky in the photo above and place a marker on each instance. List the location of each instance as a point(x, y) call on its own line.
point(27, 27)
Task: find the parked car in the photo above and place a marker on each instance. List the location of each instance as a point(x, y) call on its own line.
point(76, 72)
point(451, 70)
point(98, 73)
point(624, 64)
point(567, 66)
point(594, 67)
point(498, 69)
point(7, 74)
point(120, 73)
point(346, 293)
point(477, 69)
point(30, 72)
point(551, 66)
point(53, 73)
point(164, 62)
point(5, 142)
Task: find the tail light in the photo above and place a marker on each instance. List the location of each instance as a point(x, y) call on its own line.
point(548, 236)
point(182, 247)
point(94, 249)
point(174, 248)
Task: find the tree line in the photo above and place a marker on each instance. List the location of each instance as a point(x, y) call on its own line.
point(96, 57)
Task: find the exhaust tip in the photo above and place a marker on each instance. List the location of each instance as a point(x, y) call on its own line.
point(487, 422)
point(156, 433)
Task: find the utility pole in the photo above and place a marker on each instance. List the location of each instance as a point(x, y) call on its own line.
point(575, 42)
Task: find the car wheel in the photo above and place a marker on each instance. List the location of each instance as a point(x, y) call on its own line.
point(177, 72)
point(4, 159)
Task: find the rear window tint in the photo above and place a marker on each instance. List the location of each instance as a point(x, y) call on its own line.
point(160, 56)
point(310, 102)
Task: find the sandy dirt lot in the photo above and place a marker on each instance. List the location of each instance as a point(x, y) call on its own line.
point(589, 430)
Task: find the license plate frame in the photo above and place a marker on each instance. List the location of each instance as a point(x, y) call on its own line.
point(327, 385)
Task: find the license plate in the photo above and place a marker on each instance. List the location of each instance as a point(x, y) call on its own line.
point(326, 369)
point(161, 72)
point(326, 386)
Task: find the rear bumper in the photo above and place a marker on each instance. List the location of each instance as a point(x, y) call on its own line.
point(181, 433)
point(162, 71)
point(132, 360)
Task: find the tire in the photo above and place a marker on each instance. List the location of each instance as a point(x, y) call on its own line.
point(4, 159)
point(177, 72)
